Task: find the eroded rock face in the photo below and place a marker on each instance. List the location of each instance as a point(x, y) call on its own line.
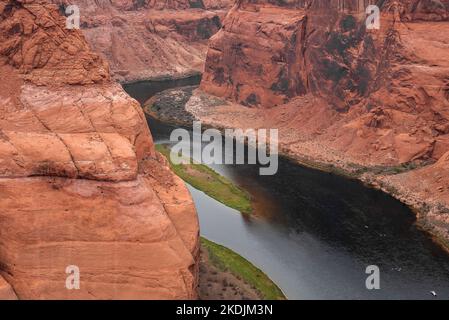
point(387, 88)
point(427, 10)
point(268, 52)
point(6, 292)
point(147, 39)
point(80, 182)
point(64, 56)
point(338, 93)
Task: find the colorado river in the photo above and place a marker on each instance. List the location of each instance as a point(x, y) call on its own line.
point(314, 233)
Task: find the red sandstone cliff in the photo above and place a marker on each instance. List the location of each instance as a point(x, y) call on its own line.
point(80, 182)
point(150, 38)
point(6, 292)
point(363, 100)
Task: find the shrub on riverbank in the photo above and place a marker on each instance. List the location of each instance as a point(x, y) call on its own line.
point(210, 182)
point(227, 260)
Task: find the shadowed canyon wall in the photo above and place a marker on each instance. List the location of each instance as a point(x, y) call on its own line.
point(147, 39)
point(80, 181)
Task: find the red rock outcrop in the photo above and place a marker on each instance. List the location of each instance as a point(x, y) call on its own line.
point(80, 181)
point(362, 100)
point(386, 89)
point(6, 292)
point(150, 38)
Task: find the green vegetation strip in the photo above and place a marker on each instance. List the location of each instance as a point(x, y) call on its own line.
point(227, 260)
point(210, 182)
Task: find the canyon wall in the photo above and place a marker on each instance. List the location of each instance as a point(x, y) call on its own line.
point(386, 87)
point(269, 52)
point(6, 292)
point(80, 182)
point(366, 101)
point(150, 38)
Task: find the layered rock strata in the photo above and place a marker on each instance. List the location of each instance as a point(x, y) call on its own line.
point(80, 182)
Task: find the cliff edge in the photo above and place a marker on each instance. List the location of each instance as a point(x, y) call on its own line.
point(80, 182)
